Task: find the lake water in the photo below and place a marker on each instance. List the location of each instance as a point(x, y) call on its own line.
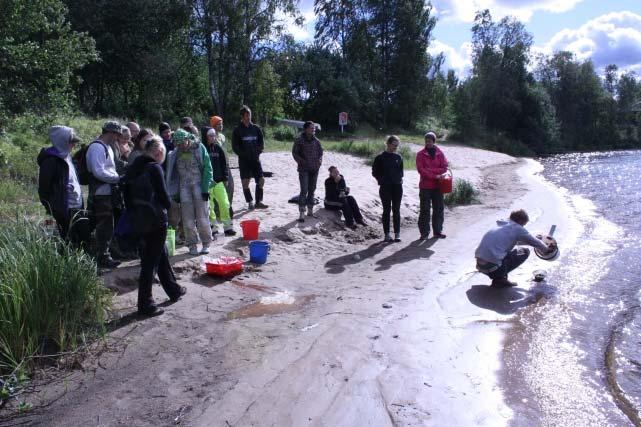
point(575, 356)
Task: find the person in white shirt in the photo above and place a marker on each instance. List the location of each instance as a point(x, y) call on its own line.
point(101, 164)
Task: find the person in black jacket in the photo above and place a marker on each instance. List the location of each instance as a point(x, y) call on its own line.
point(337, 198)
point(247, 142)
point(219, 200)
point(148, 201)
point(388, 171)
point(59, 189)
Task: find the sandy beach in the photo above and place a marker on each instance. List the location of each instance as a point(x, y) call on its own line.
point(337, 328)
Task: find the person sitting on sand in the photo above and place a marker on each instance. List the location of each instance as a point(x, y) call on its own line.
point(337, 198)
point(388, 171)
point(496, 255)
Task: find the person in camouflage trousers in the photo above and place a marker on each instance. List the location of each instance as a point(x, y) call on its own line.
point(189, 177)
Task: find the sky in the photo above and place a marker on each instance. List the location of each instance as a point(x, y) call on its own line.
point(605, 31)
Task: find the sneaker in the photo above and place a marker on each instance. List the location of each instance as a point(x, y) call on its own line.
point(193, 250)
point(150, 311)
point(205, 249)
point(108, 262)
point(424, 237)
point(261, 205)
point(230, 232)
point(440, 235)
point(250, 206)
point(397, 237)
point(387, 238)
point(502, 283)
point(301, 217)
point(214, 229)
point(181, 291)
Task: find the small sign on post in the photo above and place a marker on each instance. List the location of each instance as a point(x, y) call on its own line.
point(342, 120)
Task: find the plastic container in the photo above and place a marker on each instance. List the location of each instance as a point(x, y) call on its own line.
point(170, 242)
point(250, 229)
point(224, 266)
point(445, 183)
point(548, 256)
point(258, 250)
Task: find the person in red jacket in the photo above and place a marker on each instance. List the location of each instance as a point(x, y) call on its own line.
point(431, 165)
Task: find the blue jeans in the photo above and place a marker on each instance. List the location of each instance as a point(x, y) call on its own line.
point(307, 181)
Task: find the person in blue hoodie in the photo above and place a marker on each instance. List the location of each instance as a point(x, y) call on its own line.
point(59, 189)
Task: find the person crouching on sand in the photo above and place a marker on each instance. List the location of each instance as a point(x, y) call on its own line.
point(337, 198)
point(496, 255)
point(431, 165)
point(388, 171)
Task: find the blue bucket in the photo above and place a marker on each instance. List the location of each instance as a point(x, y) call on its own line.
point(258, 250)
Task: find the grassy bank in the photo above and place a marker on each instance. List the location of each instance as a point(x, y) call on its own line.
point(51, 298)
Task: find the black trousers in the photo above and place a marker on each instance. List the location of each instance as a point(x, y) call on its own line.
point(153, 257)
point(350, 210)
point(512, 260)
point(391, 196)
point(431, 199)
point(76, 229)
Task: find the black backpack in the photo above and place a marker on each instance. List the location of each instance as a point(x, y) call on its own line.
point(80, 162)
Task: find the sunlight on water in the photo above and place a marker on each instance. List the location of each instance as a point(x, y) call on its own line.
point(596, 302)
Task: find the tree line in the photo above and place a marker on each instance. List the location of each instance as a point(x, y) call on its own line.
point(158, 59)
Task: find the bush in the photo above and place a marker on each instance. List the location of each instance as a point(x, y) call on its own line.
point(284, 133)
point(50, 294)
point(463, 193)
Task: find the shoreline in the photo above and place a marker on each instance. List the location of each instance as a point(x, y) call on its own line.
point(341, 356)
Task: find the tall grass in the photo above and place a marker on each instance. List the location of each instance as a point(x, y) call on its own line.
point(463, 193)
point(50, 295)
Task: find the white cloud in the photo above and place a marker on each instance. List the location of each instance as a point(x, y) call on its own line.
point(459, 59)
point(614, 38)
point(304, 33)
point(464, 10)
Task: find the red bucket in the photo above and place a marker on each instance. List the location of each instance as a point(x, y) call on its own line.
point(224, 266)
point(445, 183)
point(250, 229)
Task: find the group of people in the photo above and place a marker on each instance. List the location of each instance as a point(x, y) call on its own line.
point(141, 183)
point(387, 168)
point(496, 254)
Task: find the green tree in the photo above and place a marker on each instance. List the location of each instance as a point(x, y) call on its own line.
point(235, 36)
point(146, 65)
point(39, 53)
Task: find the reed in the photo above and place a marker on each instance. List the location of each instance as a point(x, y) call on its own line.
point(51, 298)
point(463, 193)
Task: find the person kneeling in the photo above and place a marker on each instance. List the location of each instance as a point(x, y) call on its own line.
point(337, 198)
point(496, 255)
point(147, 198)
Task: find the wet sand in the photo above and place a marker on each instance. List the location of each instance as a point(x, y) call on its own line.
point(336, 328)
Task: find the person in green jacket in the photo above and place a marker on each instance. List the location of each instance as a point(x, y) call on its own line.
point(189, 178)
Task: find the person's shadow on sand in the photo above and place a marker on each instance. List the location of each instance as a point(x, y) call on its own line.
point(337, 265)
point(418, 249)
point(507, 300)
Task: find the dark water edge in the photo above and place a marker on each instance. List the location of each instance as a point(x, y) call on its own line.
point(574, 358)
